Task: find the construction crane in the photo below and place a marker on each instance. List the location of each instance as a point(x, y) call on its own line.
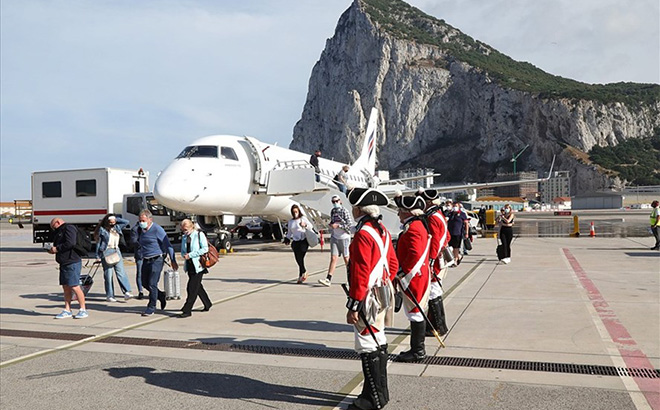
point(514, 158)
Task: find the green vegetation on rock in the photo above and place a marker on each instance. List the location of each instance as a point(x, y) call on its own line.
point(636, 160)
point(407, 22)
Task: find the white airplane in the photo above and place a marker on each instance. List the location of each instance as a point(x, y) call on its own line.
point(229, 175)
point(224, 175)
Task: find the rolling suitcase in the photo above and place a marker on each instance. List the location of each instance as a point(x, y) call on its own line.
point(500, 249)
point(87, 280)
point(172, 284)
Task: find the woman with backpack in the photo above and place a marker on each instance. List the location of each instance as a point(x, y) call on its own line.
point(193, 245)
point(108, 235)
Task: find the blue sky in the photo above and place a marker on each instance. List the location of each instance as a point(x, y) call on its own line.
point(128, 84)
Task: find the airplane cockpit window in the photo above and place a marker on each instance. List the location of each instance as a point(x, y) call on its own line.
point(228, 153)
point(199, 151)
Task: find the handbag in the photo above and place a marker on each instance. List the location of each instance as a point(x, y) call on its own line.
point(111, 257)
point(312, 237)
point(467, 244)
point(209, 258)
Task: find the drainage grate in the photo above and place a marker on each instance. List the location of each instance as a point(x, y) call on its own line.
point(344, 354)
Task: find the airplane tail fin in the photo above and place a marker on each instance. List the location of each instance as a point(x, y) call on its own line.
point(367, 159)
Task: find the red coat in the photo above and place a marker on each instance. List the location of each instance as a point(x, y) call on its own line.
point(365, 254)
point(410, 249)
point(438, 227)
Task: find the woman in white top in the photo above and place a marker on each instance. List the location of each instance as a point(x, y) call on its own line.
point(108, 235)
point(296, 235)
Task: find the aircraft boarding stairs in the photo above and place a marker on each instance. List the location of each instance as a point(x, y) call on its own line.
point(297, 179)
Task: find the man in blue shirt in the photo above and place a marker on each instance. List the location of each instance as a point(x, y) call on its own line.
point(154, 245)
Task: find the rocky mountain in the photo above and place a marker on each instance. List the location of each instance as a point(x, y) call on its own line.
point(452, 103)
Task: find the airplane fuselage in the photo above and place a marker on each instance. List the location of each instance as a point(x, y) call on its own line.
point(223, 174)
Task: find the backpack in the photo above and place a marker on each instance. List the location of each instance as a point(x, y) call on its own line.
point(83, 242)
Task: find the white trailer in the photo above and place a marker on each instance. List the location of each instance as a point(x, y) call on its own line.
point(81, 196)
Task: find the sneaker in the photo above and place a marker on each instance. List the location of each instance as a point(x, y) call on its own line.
point(140, 296)
point(128, 296)
point(150, 311)
point(325, 282)
point(81, 314)
point(64, 314)
point(506, 260)
point(111, 299)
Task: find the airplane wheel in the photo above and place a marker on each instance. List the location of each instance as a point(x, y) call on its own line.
point(223, 242)
point(242, 232)
point(276, 232)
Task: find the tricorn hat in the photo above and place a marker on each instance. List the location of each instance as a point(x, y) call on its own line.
point(367, 196)
point(427, 194)
point(409, 202)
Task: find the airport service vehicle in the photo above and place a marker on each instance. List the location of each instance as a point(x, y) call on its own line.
point(222, 176)
point(83, 196)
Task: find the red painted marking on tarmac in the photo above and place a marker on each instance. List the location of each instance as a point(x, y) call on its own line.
point(630, 352)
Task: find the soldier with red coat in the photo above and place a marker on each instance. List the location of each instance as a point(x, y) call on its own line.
point(413, 278)
point(438, 226)
point(372, 267)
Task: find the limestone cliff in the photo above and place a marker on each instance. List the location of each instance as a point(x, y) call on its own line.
point(457, 105)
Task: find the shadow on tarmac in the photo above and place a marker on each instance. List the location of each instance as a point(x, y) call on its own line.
point(13, 311)
point(653, 254)
point(227, 386)
point(23, 250)
point(275, 343)
point(312, 325)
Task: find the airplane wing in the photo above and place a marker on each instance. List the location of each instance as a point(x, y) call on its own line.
point(390, 190)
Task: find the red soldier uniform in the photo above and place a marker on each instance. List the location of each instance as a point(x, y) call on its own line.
point(412, 249)
point(438, 227)
point(372, 268)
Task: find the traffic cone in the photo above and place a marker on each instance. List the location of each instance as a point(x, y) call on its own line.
point(592, 231)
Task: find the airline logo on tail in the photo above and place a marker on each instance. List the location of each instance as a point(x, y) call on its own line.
point(367, 159)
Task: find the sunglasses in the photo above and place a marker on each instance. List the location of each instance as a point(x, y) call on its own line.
point(335, 202)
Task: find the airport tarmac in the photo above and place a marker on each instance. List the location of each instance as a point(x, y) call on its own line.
point(571, 323)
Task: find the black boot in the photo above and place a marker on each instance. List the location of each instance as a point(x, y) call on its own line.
point(372, 396)
point(384, 355)
point(417, 350)
point(437, 317)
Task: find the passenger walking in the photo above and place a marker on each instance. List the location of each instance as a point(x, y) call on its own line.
point(108, 235)
point(70, 265)
point(341, 179)
point(154, 247)
point(506, 221)
point(370, 296)
point(296, 236)
point(314, 161)
point(413, 278)
point(437, 266)
point(458, 229)
point(340, 237)
point(193, 245)
point(655, 225)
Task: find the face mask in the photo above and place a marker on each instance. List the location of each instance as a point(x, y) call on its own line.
point(143, 225)
point(507, 210)
point(336, 205)
point(456, 209)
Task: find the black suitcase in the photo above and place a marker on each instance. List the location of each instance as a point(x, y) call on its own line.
point(500, 251)
point(87, 280)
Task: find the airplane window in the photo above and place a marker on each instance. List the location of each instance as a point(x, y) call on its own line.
point(199, 151)
point(228, 153)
